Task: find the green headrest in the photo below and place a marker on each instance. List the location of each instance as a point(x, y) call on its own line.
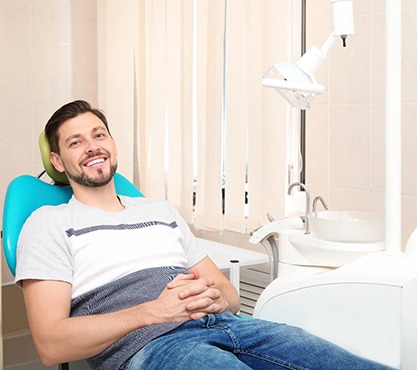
point(58, 177)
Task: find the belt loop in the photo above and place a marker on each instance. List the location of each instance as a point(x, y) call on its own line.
point(210, 320)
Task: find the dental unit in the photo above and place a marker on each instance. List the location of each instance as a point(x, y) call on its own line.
point(342, 274)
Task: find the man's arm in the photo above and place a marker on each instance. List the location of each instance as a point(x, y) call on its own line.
point(61, 338)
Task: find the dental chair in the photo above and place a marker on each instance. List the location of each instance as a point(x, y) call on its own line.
point(26, 193)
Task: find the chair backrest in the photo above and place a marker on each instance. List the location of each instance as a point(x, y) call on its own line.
point(27, 193)
point(45, 148)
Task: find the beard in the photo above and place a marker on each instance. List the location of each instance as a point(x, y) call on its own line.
point(102, 180)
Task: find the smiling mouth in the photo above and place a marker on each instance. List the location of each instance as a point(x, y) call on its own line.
point(94, 162)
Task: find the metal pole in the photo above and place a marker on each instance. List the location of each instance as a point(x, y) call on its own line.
point(303, 112)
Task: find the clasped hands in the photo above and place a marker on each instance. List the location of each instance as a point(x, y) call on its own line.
point(189, 296)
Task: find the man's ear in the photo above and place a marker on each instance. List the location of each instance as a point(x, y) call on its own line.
point(56, 162)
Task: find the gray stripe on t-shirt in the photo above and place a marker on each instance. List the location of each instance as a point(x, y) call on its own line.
point(72, 232)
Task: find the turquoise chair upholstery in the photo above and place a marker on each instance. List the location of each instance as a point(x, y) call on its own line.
point(27, 193)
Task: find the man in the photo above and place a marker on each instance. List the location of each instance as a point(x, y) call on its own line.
point(121, 281)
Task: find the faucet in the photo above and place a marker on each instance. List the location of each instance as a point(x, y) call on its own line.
point(301, 185)
point(319, 198)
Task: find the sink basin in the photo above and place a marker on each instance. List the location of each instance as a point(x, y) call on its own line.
point(300, 249)
point(347, 226)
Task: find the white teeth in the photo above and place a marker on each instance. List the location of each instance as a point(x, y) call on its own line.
point(96, 161)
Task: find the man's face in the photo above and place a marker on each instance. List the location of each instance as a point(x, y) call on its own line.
point(88, 154)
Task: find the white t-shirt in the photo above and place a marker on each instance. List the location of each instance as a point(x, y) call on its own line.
point(89, 247)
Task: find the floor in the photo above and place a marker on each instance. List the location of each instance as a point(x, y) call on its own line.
point(38, 366)
point(20, 354)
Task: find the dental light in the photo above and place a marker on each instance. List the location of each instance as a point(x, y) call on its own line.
point(296, 82)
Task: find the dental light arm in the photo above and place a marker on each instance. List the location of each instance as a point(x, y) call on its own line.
point(296, 82)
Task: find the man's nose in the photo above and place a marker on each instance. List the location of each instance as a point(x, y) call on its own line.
point(92, 146)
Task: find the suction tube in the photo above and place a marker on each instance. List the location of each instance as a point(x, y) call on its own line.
point(268, 232)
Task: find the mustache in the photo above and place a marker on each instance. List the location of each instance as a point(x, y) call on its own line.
point(95, 154)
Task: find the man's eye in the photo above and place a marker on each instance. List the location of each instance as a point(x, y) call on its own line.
point(74, 143)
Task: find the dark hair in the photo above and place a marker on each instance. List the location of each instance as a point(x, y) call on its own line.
point(66, 112)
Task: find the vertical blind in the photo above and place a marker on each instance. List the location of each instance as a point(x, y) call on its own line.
point(207, 136)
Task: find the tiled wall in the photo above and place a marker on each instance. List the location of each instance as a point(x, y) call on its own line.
point(345, 127)
point(48, 54)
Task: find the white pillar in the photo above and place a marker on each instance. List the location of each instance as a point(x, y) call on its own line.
point(393, 126)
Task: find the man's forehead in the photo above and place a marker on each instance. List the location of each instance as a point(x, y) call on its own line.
point(84, 124)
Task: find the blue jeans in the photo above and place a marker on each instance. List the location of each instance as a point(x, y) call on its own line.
point(229, 343)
